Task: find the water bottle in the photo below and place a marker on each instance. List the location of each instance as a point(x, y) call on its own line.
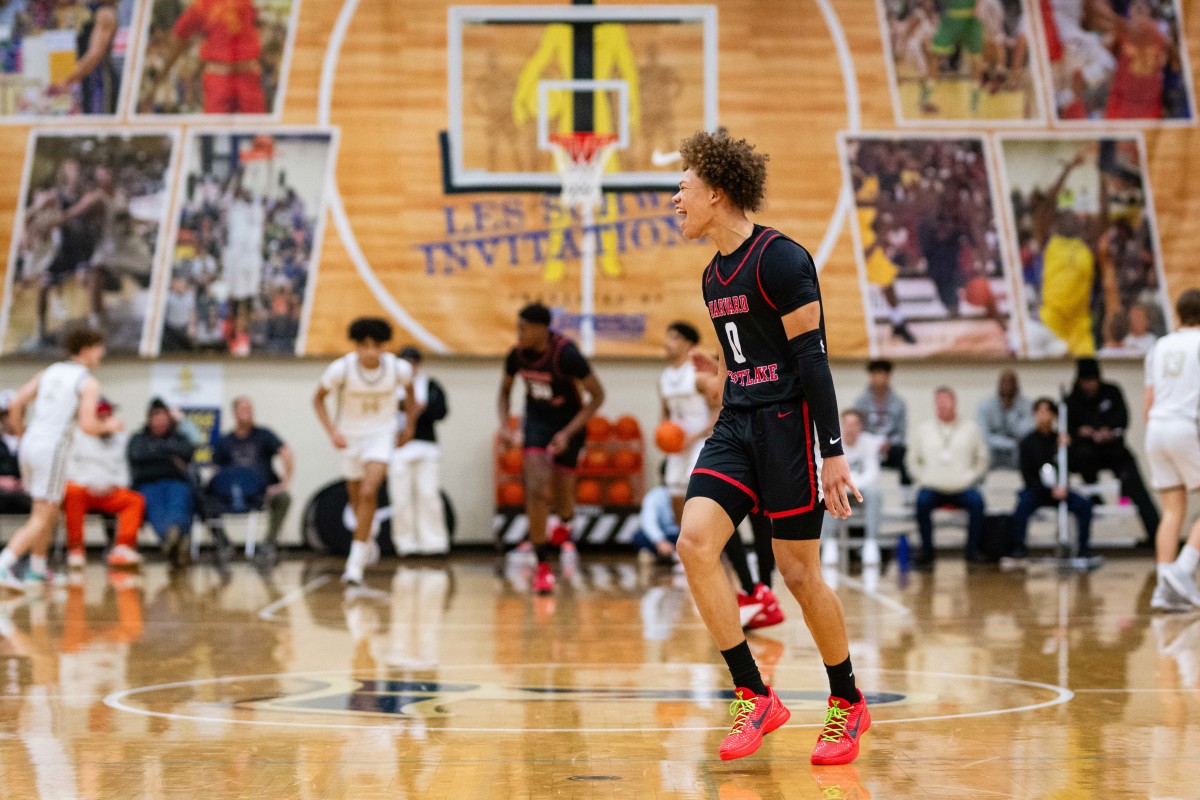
point(903, 555)
point(238, 499)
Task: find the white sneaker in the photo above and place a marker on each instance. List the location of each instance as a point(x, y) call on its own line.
point(372, 553)
point(353, 574)
point(76, 559)
point(1182, 583)
point(1167, 599)
point(870, 553)
point(829, 552)
point(12, 582)
point(124, 556)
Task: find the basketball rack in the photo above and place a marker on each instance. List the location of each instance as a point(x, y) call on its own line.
point(579, 159)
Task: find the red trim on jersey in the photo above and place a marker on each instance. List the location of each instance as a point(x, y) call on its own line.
point(729, 480)
point(758, 271)
point(812, 472)
point(717, 266)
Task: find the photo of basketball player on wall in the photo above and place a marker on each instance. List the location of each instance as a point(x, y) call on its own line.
point(63, 59)
point(1116, 60)
point(84, 242)
point(1091, 274)
point(928, 247)
point(956, 60)
point(215, 56)
point(247, 243)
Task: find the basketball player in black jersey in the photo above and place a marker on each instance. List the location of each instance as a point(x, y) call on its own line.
point(762, 294)
point(555, 427)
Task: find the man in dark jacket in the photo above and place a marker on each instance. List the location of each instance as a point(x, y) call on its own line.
point(159, 458)
point(13, 497)
point(414, 485)
point(1096, 420)
point(1038, 454)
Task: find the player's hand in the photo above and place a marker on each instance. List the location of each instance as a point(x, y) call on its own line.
point(836, 484)
point(559, 443)
point(703, 362)
point(339, 441)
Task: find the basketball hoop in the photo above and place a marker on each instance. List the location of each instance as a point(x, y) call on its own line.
point(580, 160)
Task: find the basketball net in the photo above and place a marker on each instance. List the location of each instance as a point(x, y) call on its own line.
point(580, 159)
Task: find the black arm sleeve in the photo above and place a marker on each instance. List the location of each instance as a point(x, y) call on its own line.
point(812, 365)
point(436, 409)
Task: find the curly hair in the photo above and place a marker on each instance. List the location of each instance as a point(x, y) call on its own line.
point(375, 328)
point(728, 164)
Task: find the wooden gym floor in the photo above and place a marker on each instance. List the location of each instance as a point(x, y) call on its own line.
point(446, 680)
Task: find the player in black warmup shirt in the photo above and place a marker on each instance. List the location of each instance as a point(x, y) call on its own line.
point(555, 427)
point(762, 294)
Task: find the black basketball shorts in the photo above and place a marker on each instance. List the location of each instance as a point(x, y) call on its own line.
point(538, 433)
point(762, 460)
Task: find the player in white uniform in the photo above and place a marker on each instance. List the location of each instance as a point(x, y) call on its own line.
point(684, 403)
point(63, 397)
point(364, 385)
point(1173, 452)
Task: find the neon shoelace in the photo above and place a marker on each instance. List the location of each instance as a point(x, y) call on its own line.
point(835, 724)
point(741, 711)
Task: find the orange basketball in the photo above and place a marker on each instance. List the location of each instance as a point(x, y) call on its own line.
point(598, 429)
point(669, 437)
point(595, 459)
point(628, 428)
point(511, 461)
point(620, 493)
point(979, 292)
point(627, 461)
point(510, 494)
point(588, 492)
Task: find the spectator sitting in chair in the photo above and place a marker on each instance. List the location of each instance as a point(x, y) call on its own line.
point(414, 485)
point(159, 457)
point(13, 497)
point(659, 530)
point(98, 480)
point(886, 415)
point(1005, 419)
point(1039, 469)
point(1096, 420)
point(247, 479)
point(948, 458)
point(862, 454)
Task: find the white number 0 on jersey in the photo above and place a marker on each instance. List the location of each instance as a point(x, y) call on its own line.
point(735, 343)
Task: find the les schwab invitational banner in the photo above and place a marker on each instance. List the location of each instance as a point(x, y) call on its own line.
point(974, 177)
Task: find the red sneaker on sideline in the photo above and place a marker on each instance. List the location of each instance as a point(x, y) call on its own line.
point(543, 579)
point(770, 613)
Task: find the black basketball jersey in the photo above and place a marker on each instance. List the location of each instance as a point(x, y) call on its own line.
point(551, 391)
point(747, 293)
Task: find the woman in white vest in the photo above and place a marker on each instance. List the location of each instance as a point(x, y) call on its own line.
point(414, 486)
point(61, 397)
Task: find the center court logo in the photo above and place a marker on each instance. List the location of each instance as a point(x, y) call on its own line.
point(557, 697)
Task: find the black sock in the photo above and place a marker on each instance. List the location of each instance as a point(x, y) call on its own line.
point(735, 551)
point(841, 681)
point(743, 669)
point(543, 551)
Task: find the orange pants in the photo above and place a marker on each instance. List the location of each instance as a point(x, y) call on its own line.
point(128, 505)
